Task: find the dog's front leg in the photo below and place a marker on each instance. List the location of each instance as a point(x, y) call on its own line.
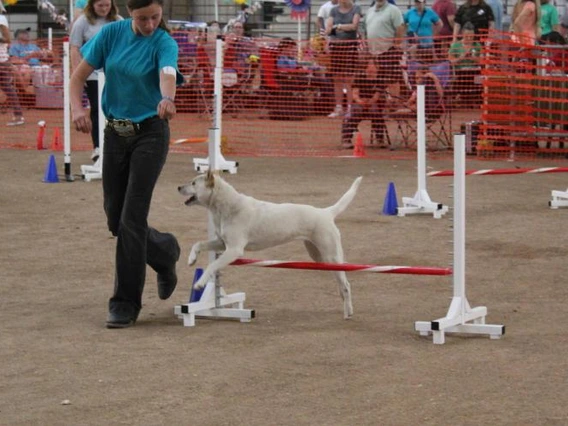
point(228, 257)
point(213, 245)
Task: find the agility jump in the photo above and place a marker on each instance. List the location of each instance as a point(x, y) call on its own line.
point(559, 198)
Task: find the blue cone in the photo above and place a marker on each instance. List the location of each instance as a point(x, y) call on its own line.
point(51, 171)
point(390, 206)
point(195, 295)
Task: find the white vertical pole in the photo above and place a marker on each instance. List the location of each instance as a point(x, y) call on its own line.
point(50, 39)
point(102, 118)
point(66, 112)
point(459, 219)
point(71, 12)
point(421, 137)
point(215, 146)
point(215, 141)
point(217, 10)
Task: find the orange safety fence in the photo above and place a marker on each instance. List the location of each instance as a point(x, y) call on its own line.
point(284, 97)
point(525, 102)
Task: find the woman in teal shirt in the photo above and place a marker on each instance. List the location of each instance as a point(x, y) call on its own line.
point(139, 59)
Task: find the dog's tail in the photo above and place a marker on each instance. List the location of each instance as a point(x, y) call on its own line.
point(344, 201)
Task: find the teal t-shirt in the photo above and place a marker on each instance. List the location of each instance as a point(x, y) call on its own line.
point(132, 64)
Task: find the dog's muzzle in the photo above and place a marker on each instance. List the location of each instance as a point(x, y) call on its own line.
point(191, 200)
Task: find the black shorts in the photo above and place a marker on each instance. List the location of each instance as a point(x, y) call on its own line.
point(344, 57)
point(388, 64)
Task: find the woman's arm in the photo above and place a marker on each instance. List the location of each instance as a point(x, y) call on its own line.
point(166, 107)
point(80, 117)
point(76, 56)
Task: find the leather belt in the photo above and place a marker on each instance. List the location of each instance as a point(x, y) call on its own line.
point(126, 128)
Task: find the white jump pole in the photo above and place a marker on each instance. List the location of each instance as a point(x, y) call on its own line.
point(95, 171)
point(214, 302)
point(216, 160)
point(421, 202)
point(66, 115)
point(460, 314)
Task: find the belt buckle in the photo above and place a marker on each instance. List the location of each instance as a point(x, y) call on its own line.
point(123, 127)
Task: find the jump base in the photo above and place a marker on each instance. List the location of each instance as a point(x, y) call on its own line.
point(461, 318)
point(559, 199)
point(222, 305)
point(421, 204)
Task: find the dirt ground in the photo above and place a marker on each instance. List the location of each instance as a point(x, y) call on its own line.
point(298, 362)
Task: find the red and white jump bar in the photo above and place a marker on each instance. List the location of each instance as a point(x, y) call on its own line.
point(502, 171)
point(347, 267)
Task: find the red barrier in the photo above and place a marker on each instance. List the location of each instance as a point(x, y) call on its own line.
point(347, 267)
point(502, 171)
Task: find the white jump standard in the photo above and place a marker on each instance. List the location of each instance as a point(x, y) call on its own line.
point(559, 199)
point(421, 202)
point(461, 317)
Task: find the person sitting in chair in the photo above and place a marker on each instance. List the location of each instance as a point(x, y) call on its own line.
point(27, 58)
point(369, 93)
point(433, 94)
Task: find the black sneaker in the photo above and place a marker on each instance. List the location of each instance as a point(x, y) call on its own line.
point(167, 280)
point(120, 320)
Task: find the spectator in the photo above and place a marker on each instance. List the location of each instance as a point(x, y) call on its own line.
point(465, 55)
point(564, 23)
point(422, 25)
point(433, 94)
point(26, 58)
point(526, 21)
point(342, 26)
point(323, 14)
point(478, 13)
point(238, 50)
point(7, 72)
point(549, 21)
point(385, 28)
point(446, 10)
point(497, 8)
point(140, 62)
point(78, 9)
point(368, 104)
point(97, 14)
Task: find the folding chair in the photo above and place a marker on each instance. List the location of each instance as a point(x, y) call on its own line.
point(438, 117)
point(284, 98)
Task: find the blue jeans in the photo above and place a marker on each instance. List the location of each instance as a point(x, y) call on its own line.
point(131, 167)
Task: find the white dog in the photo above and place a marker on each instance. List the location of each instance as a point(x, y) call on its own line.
point(244, 223)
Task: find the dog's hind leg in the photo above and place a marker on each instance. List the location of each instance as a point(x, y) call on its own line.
point(211, 245)
point(228, 257)
point(330, 250)
point(312, 251)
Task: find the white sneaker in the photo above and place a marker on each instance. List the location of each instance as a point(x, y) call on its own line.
point(16, 121)
point(337, 112)
point(95, 155)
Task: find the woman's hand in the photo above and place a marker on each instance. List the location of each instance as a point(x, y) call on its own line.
point(81, 120)
point(166, 108)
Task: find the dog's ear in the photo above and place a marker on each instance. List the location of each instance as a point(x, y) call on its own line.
point(210, 179)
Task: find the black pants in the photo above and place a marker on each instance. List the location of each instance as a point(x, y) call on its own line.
point(131, 167)
point(360, 113)
point(92, 89)
point(7, 86)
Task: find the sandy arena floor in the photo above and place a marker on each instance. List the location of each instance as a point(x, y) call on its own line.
point(297, 363)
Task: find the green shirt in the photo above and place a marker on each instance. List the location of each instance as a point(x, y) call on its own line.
point(457, 49)
point(548, 18)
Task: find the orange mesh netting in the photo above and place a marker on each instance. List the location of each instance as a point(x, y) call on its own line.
point(315, 98)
